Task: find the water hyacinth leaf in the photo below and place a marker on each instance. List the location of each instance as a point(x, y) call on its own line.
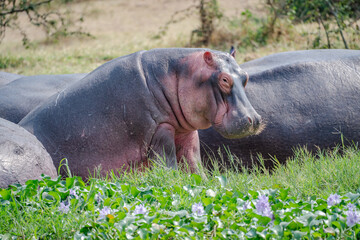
point(283, 193)
point(143, 233)
point(5, 194)
point(209, 208)
point(51, 182)
point(79, 182)
point(149, 219)
point(252, 233)
point(298, 234)
point(63, 193)
point(181, 213)
point(254, 194)
point(278, 230)
point(294, 225)
point(69, 182)
point(121, 215)
point(222, 180)
point(32, 183)
point(317, 235)
point(339, 224)
point(197, 225)
point(82, 236)
point(206, 201)
point(330, 230)
point(134, 191)
point(125, 188)
point(352, 196)
point(196, 178)
point(263, 220)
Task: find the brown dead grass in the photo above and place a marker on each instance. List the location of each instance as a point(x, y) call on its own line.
point(121, 27)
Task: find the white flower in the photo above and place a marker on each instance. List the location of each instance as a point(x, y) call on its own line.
point(198, 209)
point(210, 193)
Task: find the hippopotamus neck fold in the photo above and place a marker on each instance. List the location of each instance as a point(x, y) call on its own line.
point(162, 75)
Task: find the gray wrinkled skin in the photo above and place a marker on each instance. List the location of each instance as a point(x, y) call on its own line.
point(20, 96)
point(5, 78)
point(128, 108)
point(305, 98)
point(22, 156)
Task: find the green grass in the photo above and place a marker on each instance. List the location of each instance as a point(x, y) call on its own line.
point(305, 174)
point(300, 188)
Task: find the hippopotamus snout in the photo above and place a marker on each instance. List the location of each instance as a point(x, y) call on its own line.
point(255, 120)
point(240, 123)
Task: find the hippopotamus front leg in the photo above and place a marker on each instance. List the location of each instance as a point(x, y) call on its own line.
point(163, 145)
point(176, 147)
point(188, 149)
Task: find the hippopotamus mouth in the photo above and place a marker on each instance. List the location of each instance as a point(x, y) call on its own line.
point(237, 122)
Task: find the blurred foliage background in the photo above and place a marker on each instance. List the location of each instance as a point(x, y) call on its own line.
point(66, 36)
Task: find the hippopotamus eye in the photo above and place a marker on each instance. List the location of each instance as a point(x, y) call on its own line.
point(225, 83)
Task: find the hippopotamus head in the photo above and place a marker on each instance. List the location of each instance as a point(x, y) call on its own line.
point(215, 95)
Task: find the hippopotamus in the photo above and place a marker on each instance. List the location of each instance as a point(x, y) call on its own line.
point(22, 156)
point(306, 98)
point(22, 95)
point(5, 77)
point(142, 106)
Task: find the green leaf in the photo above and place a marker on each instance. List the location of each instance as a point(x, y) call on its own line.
point(251, 233)
point(353, 196)
point(263, 220)
point(223, 180)
point(5, 194)
point(298, 234)
point(134, 191)
point(69, 182)
point(206, 201)
point(283, 193)
point(196, 178)
point(208, 208)
point(142, 233)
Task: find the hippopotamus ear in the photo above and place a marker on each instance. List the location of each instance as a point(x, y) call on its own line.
point(232, 51)
point(208, 58)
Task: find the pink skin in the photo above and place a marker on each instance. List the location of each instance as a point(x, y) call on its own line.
point(197, 97)
point(194, 106)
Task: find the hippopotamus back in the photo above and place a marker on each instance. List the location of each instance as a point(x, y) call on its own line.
point(20, 96)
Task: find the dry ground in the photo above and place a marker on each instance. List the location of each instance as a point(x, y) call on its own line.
point(121, 27)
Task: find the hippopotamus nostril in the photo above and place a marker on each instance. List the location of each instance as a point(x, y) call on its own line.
point(250, 120)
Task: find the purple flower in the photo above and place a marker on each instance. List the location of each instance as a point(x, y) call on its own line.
point(140, 209)
point(98, 197)
point(198, 209)
point(263, 207)
point(352, 218)
point(73, 193)
point(351, 207)
point(64, 207)
point(333, 199)
point(104, 212)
